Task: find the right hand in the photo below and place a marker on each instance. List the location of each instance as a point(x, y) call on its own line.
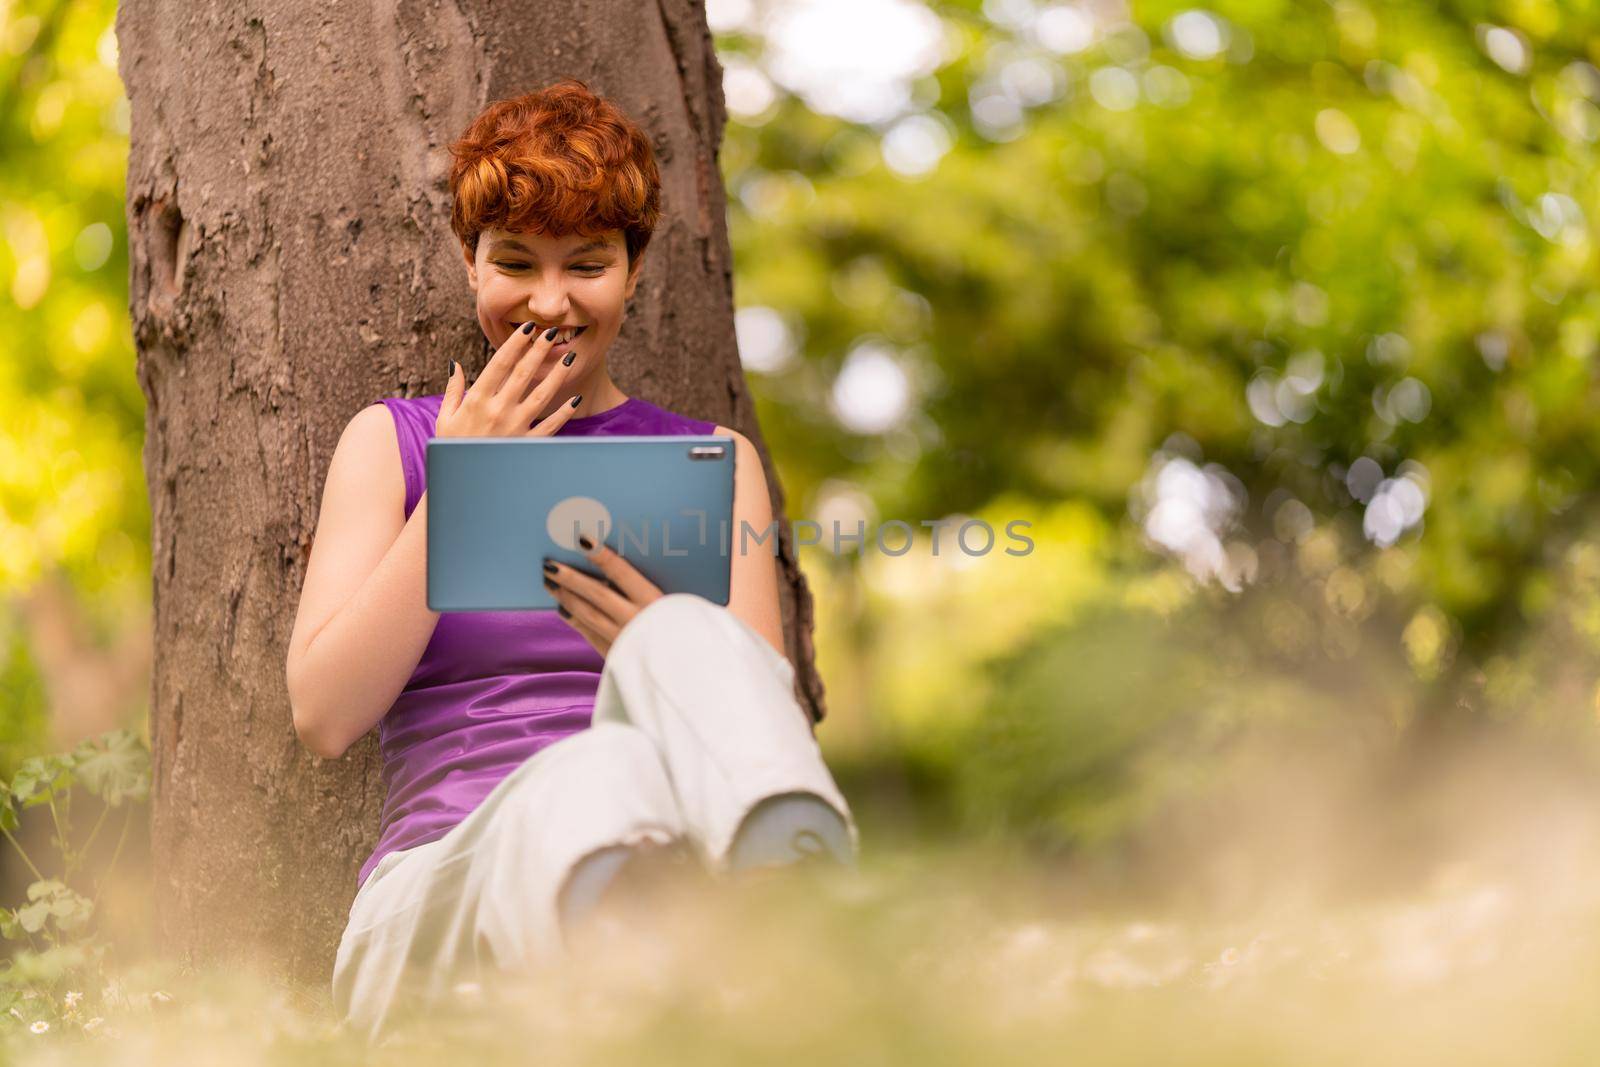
point(495, 405)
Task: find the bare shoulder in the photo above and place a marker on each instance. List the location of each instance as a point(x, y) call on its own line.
point(370, 446)
point(370, 426)
point(364, 494)
point(747, 461)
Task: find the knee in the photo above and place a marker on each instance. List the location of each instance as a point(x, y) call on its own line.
point(676, 609)
point(684, 627)
point(671, 617)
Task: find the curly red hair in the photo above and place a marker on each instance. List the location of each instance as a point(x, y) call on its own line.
point(559, 160)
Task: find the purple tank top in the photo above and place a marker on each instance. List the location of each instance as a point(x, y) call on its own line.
point(492, 687)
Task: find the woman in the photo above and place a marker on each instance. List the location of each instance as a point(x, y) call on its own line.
point(534, 759)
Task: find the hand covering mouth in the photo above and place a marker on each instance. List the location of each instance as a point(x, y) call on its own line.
point(567, 333)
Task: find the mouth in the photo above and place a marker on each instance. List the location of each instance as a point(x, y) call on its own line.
point(567, 335)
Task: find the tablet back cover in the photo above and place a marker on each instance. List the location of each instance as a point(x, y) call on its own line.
point(498, 505)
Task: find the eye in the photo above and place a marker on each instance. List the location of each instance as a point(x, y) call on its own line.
point(591, 269)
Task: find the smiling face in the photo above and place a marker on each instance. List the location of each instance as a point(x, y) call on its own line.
point(571, 281)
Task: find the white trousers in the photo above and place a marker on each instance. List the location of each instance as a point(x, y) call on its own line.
point(695, 723)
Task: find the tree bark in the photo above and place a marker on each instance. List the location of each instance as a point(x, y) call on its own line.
point(292, 261)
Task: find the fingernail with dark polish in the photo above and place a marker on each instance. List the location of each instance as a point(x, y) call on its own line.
point(576, 399)
point(550, 335)
point(452, 371)
point(588, 545)
point(566, 360)
point(527, 327)
point(565, 614)
point(548, 584)
point(549, 567)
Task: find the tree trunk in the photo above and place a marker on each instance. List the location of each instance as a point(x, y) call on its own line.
point(292, 261)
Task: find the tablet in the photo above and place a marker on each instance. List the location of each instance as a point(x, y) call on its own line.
point(497, 506)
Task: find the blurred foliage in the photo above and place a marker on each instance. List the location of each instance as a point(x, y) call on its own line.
point(1365, 187)
point(24, 709)
point(1319, 252)
point(61, 951)
point(1352, 196)
point(72, 494)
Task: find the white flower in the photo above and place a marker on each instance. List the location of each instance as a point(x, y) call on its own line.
point(72, 998)
point(92, 1025)
point(16, 1013)
point(39, 1026)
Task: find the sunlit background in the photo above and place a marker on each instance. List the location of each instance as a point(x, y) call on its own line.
point(1276, 322)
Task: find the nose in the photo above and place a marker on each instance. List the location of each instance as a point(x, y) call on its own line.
point(548, 303)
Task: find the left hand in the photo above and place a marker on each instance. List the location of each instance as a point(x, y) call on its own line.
point(600, 609)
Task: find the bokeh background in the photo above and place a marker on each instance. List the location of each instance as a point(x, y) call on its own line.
point(1277, 320)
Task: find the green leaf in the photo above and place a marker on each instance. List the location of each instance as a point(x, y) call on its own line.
point(40, 779)
point(32, 916)
point(84, 749)
point(115, 768)
point(72, 911)
point(45, 889)
point(25, 783)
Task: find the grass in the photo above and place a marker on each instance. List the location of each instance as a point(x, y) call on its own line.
point(962, 956)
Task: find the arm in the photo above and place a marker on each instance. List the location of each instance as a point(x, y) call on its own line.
point(753, 585)
point(363, 621)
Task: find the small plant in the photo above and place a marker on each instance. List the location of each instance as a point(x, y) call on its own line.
point(42, 984)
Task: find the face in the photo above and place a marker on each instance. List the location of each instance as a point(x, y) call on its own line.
point(555, 281)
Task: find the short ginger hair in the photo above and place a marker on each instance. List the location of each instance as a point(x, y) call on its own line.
point(559, 160)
